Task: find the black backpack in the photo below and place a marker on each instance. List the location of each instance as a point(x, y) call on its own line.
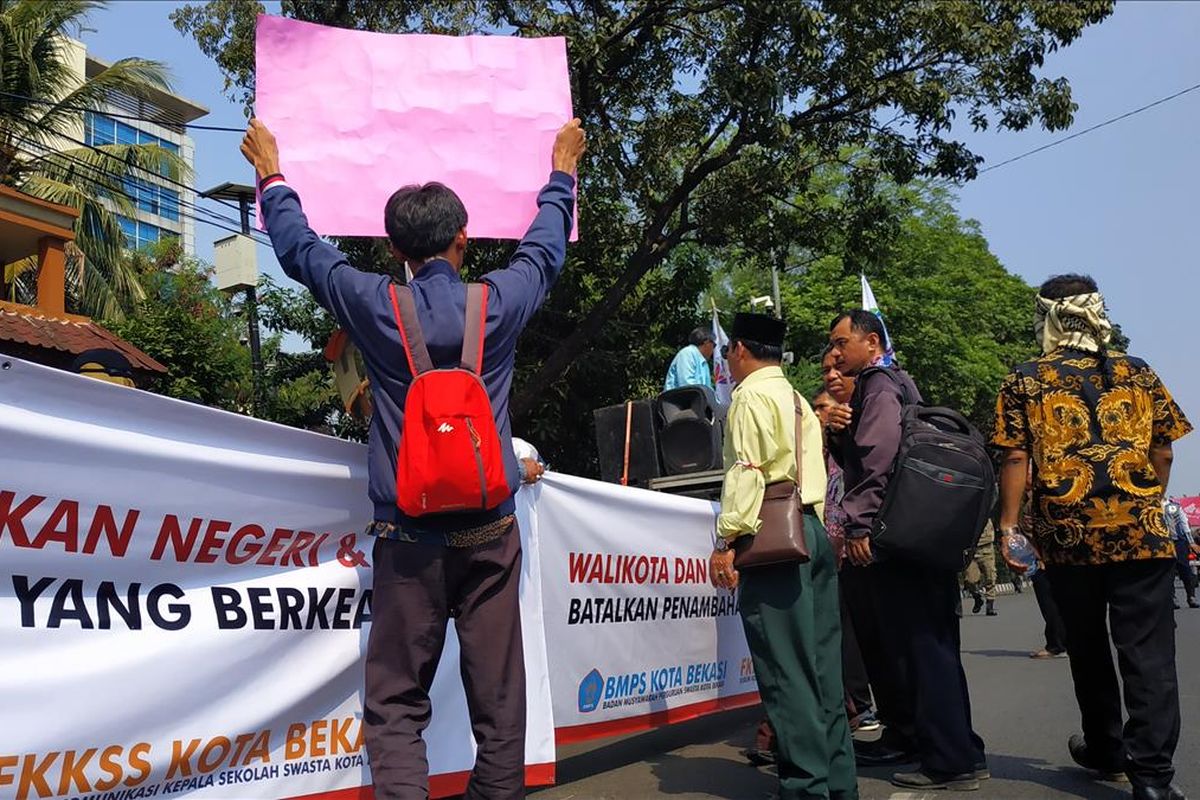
point(941, 490)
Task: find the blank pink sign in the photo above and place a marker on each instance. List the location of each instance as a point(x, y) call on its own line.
point(358, 115)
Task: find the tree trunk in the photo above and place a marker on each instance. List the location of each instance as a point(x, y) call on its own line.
point(639, 264)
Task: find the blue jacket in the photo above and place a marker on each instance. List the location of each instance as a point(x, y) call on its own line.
point(361, 304)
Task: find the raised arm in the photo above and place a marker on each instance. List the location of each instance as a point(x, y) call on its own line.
point(337, 286)
point(538, 261)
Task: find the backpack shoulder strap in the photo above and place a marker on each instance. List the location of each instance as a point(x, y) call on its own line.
point(405, 311)
point(476, 328)
point(861, 382)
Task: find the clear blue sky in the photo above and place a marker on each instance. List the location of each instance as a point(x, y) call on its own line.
point(1120, 203)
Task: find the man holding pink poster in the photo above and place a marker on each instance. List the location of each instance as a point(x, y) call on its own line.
point(436, 560)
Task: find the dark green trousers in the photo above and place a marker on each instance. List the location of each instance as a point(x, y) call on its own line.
point(793, 626)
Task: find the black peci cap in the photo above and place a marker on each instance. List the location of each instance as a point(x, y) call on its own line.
point(759, 328)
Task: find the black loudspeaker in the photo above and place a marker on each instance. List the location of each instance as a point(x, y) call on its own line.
point(690, 426)
point(643, 443)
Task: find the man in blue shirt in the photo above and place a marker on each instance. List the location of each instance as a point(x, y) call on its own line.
point(1181, 532)
point(690, 365)
point(431, 568)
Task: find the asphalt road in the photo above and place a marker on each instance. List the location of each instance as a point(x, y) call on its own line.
point(1024, 709)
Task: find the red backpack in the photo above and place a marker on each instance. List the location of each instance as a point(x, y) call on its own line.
point(449, 457)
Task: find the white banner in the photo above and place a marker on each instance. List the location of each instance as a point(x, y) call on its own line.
point(639, 637)
point(184, 599)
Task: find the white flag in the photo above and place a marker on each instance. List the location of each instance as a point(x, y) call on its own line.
point(869, 304)
point(723, 378)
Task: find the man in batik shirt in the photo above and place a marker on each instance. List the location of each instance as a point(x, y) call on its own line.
point(1098, 427)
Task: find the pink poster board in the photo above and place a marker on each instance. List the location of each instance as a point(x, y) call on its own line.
point(358, 115)
point(1191, 507)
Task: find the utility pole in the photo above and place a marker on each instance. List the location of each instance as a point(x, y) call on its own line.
point(780, 263)
point(237, 269)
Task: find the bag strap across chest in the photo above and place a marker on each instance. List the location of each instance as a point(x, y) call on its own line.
point(404, 308)
point(799, 404)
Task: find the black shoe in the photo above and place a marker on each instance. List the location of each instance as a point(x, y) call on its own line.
point(1171, 792)
point(872, 754)
point(1080, 755)
point(978, 605)
point(759, 758)
point(991, 608)
point(982, 773)
point(1192, 603)
point(966, 782)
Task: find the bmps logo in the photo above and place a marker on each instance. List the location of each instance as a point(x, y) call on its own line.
point(445, 427)
point(591, 689)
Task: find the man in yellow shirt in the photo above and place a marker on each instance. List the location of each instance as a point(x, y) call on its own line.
point(789, 611)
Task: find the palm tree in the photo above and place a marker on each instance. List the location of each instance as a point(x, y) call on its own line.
point(42, 102)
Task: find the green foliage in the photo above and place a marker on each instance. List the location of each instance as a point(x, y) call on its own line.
point(188, 326)
point(36, 160)
point(704, 120)
point(1120, 341)
point(298, 388)
point(199, 334)
point(958, 320)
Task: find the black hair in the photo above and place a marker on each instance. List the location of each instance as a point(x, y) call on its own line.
point(864, 322)
point(700, 335)
point(820, 393)
point(772, 353)
point(422, 221)
point(1060, 286)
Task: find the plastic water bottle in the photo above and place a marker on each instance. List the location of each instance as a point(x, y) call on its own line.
point(1020, 549)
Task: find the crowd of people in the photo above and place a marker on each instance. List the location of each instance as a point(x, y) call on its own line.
point(1084, 439)
point(842, 634)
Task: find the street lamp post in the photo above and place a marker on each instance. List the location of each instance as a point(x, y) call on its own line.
point(237, 269)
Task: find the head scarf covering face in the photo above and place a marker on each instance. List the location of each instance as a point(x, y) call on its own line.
point(1079, 322)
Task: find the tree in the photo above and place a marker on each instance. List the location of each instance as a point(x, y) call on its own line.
point(42, 102)
point(199, 334)
point(958, 319)
point(187, 325)
point(298, 388)
point(705, 117)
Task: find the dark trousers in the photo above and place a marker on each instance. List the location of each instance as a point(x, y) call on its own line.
point(919, 621)
point(1056, 635)
point(1135, 597)
point(790, 615)
point(854, 671)
point(1186, 577)
point(417, 589)
point(887, 670)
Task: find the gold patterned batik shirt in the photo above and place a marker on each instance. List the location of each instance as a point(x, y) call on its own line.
point(1097, 498)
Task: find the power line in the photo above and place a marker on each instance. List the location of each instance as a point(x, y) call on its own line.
point(151, 173)
point(96, 172)
point(148, 172)
point(135, 117)
point(1096, 127)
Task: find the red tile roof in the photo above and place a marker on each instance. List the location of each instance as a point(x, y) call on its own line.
point(68, 335)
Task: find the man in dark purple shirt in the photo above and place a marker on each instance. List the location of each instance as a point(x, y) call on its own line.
point(431, 568)
point(915, 603)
